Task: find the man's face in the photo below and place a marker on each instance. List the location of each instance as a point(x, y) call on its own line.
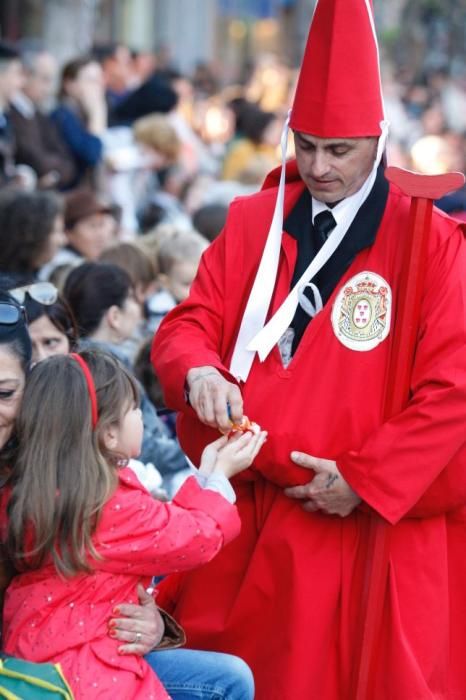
point(333, 169)
point(41, 81)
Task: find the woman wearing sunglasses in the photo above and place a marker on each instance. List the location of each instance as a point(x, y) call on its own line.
point(51, 322)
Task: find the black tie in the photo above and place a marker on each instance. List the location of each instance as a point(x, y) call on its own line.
point(323, 224)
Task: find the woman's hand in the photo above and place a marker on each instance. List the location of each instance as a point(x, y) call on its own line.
point(141, 626)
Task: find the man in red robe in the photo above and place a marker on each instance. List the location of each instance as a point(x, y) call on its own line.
point(292, 324)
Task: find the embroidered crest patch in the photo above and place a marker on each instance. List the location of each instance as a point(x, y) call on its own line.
point(361, 312)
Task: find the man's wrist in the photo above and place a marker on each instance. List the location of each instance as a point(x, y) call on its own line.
point(199, 373)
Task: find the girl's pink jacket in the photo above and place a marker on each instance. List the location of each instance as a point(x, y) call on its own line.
point(48, 618)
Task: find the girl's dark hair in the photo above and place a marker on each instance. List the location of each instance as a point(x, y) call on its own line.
point(26, 222)
point(91, 289)
point(63, 475)
point(58, 313)
point(71, 70)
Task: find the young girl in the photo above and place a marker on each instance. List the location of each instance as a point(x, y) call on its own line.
point(83, 532)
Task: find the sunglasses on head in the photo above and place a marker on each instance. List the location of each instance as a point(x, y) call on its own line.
point(10, 314)
point(43, 292)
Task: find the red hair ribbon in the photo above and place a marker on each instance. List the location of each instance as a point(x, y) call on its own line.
point(90, 387)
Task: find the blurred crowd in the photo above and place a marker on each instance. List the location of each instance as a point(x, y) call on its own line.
point(116, 172)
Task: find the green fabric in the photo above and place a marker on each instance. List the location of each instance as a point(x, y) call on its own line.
point(24, 680)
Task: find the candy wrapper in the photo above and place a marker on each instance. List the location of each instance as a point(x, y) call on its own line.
point(246, 426)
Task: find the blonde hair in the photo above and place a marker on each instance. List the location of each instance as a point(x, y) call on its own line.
point(63, 475)
point(181, 246)
point(156, 132)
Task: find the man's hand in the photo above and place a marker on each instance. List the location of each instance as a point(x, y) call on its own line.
point(328, 491)
point(141, 625)
point(210, 395)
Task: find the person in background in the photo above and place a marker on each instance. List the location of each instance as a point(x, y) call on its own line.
point(139, 266)
point(52, 328)
point(178, 255)
point(90, 228)
point(31, 233)
point(102, 299)
point(210, 219)
point(81, 115)
point(11, 81)
point(254, 147)
point(143, 274)
point(38, 143)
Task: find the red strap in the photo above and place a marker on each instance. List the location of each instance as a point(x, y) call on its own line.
point(90, 387)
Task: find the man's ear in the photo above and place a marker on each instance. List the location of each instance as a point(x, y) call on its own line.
point(113, 315)
point(110, 437)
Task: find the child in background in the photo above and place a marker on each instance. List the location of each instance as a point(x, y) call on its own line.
point(178, 255)
point(83, 532)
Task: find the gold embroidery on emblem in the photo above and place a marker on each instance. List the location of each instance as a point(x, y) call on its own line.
point(361, 315)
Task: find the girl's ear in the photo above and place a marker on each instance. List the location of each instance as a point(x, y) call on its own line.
point(110, 437)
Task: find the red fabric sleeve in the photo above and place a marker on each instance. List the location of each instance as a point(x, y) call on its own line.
point(140, 535)
point(399, 462)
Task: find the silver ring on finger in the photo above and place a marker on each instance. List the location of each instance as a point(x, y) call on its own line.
point(138, 638)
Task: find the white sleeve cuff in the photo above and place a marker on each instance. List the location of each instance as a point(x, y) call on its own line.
point(217, 482)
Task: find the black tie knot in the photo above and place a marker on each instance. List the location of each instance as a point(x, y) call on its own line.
point(323, 224)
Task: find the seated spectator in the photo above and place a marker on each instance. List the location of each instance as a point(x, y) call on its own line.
point(254, 148)
point(11, 80)
point(38, 143)
point(139, 266)
point(81, 115)
point(154, 95)
point(178, 256)
point(31, 233)
point(158, 200)
point(90, 228)
point(52, 328)
point(142, 272)
point(103, 302)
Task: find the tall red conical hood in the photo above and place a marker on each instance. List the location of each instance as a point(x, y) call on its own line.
point(338, 92)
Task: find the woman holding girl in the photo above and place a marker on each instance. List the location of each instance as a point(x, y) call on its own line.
point(83, 532)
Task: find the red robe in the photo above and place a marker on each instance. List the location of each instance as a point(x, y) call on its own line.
point(285, 595)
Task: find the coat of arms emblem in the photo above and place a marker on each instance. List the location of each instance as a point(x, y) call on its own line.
point(361, 312)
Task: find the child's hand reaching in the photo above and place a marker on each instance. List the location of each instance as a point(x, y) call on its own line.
point(231, 456)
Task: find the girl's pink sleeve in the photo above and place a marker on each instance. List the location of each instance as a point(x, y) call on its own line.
point(140, 535)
